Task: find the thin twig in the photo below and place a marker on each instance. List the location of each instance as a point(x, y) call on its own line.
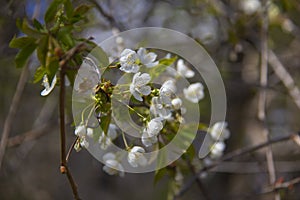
point(198, 181)
point(231, 155)
point(263, 93)
point(63, 163)
point(280, 186)
point(112, 21)
point(71, 149)
point(28, 136)
point(12, 111)
point(285, 77)
point(254, 167)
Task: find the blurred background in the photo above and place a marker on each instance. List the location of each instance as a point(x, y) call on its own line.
point(231, 32)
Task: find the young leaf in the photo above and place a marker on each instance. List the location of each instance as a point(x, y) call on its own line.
point(100, 56)
point(68, 8)
point(82, 9)
point(37, 25)
point(65, 36)
point(24, 26)
point(104, 122)
point(51, 11)
point(159, 174)
point(24, 53)
point(42, 49)
point(39, 74)
point(21, 42)
point(52, 68)
point(161, 67)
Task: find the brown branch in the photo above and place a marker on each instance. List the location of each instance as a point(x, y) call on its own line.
point(263, 93)
point(285, 77)
point(28, 136)
point(198, 181)
point(279, 186)
point(64, 169)
point(63, 163)
point(254, 167)
point(231, 155)
point(112, 21)
point(12, 112)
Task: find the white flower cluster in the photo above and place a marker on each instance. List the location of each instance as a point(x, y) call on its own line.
point(131, 61)
point(112, 164)
point(82, 132)
point(165, 107)
point(219, 132)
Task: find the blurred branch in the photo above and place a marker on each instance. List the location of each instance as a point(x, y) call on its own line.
point(12, 111)
point(112, 21)
point(285, 77)
point(256, 167)
point(198, 181)
point(281, 185)
point(263, 93)
point(234, 154)
point(29, 135)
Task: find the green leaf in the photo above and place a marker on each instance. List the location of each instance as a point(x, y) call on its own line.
point(168, 61)
point(39, 74)
point(52, 68)
point(104, 122)
point(161, 67)
point(23, 55)
point(190, 152)
point(65, 36)
point(82, 9)
point(21, 42)
point(52, 10)
point(100, 56)
point(24, 26)
point(68, 8)
point(37, 25)
point(159, 174)
point(42, 49)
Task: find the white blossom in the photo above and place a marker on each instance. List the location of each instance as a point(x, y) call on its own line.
point(217, 149)
point(154, 126)
point(128, 61)
point(148, 140)
point(80, 130)
point(139, 87)
point(147, 59)
point(84, 143)
point(136, 156)
point(161, 107)
point(112, 165)
point(176, 103)
point(194, 92)
point(48, 87)
point(250, 6)
point(183, 70)
point(106, 140)
point(168, 87)
point(219, 131)
point(151, 132)
point(89, 132)
point(167, 90)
